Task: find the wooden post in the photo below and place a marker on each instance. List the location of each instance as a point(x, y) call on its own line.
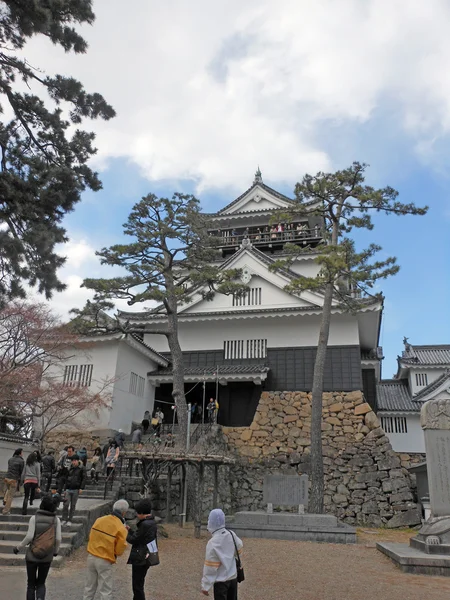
point(168, 494)
point(216, 485)
point(199, 511)
point(182, 485)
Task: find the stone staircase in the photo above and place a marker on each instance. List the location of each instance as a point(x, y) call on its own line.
point(90, 506)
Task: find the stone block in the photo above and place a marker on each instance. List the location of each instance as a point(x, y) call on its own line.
point(337, 407)
point(408, 518)
point(246, 435)
point(290, 419)
point(290, 410)
point(362, 409)
point(371, 420)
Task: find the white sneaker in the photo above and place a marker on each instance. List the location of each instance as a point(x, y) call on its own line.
point(69, 523)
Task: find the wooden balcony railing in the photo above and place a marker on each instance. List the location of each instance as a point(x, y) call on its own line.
point(267, 238)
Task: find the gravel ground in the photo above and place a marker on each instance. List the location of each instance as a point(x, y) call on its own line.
point(275, 570)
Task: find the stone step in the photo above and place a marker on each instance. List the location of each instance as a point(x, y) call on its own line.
point(7, 546)
point(22, 526)
point(13, 560)
point(17, 536)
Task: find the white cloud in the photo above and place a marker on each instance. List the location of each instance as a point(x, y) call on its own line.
point(207, 90)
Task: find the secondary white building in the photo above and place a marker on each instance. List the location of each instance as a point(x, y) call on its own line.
point(124, 361)
point(237, 347)
point(423, 374)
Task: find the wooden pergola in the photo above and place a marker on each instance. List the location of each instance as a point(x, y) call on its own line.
point(167, 462)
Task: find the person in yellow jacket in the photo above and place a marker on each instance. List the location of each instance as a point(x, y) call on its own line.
point(107, 541)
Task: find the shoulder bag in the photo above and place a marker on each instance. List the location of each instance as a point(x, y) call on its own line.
point(239, 567)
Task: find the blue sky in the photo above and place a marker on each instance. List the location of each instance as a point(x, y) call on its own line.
point(206, 91)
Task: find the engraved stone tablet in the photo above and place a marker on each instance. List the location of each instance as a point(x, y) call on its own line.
point(286, 490)
point(435, 421)
point(438, 460)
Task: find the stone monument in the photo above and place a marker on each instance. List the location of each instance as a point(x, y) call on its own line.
point(290, 491)
point(429, 550)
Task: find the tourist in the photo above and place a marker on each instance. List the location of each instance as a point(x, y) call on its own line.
point(193, 412)
point(119, 438)
point(106, 447)
point(97, 464)
point(219, 571)
point(170, 441)
point(107, 541)
point(258, 235)
point(31, 479)
point(12, 478)
point(64, 464)
point(211, 408)
point(199, 413)
point(111, 458)
point(43, 539)
point(48, 468)
point(82, 455)
point(273, 233)
point(74, 484)
point(144, 533)
point(146, 421)
point(159, 417)
point(136, 436)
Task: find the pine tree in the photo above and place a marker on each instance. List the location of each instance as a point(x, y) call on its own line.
point(43, 163)
point(343, 202)
point(169, 260)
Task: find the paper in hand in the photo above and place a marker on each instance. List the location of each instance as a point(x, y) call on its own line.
point(152, 547)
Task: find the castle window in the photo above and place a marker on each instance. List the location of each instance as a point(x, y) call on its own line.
point(137, 385)
point(250, 298)
point(394, 424)
point(78, 375)
point(421, 379)
point(245, 349)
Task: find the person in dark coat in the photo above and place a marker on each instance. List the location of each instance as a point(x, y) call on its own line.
point(48, 468)
point(144, 533)
point(75, 482)
point(119, 438)
point(38, 568)
point(12, 478)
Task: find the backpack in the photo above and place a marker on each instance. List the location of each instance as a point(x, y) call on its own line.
point(44, 543)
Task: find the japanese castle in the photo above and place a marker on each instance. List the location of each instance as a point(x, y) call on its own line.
point(236, 348)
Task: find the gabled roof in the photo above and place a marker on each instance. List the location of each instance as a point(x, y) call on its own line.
point(438, 354)
point(393, 396)
point(256, 184)
point(131, 339)
point(432, 387)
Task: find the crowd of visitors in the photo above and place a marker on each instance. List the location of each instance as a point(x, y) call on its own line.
point(109, 535)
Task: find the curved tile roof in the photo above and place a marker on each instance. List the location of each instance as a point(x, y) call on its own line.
point(426, 355)
point(394, 395)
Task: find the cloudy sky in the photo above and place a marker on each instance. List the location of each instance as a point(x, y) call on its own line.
point(205, 91)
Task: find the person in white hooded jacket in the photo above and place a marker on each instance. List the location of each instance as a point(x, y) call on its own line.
point(219, 571)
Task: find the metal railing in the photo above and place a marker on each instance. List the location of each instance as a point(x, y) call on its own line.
point(109, 481)
point(270, 237)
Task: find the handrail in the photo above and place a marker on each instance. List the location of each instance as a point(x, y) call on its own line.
point(111, 477)
point(272, 237)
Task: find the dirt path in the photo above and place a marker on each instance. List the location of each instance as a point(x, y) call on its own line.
point(275, 570)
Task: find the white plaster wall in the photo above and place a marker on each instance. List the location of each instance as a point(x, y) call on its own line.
point(308, 268)
point(280, 332)
point(127, 407)
point(271, 297)
point(7, 450)
point(432, 375)
point(413, 440)
point(103, 357)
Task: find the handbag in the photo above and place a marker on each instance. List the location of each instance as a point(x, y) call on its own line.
point(239, 567)
point(152, 558)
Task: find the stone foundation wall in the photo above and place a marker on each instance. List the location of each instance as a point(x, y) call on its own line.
point(57, 440)
point(365, 481)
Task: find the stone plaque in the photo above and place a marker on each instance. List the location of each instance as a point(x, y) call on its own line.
point(437, 443)
point(286, 490)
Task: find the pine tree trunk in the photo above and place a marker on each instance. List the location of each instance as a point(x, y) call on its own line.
point(315, 504)
point(178, 372)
